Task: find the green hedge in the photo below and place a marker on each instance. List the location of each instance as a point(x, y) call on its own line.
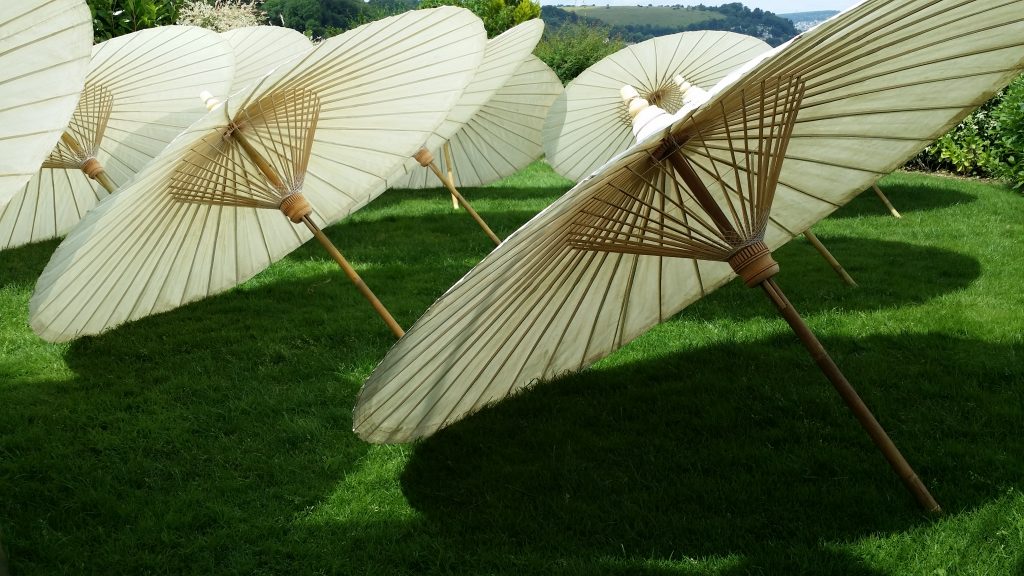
point(988, 143)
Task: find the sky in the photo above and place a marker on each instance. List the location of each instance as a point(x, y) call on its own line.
point(777, 6)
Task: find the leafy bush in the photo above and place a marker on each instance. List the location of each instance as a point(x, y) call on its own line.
point(1009, 115)
point(116, 17)
point(969, 149)
point(987, 143)
point(498, 15)
point(222, 16)
point(574, 47)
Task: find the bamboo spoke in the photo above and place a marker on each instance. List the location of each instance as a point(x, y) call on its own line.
point(885, 200)
point(829, 257)
point(274, 136)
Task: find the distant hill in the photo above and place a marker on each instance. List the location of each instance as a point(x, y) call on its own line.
point(804, 21)
point(638, 23)
point(664, 16)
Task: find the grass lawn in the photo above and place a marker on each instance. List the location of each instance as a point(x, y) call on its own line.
point(215, 439)
point(660, 16)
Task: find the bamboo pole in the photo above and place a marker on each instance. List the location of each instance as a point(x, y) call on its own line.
point(766, 268)
point(96, 170)
point(850, 397)
point(828, 257)
point(451, 176)
point(461, 200)
point(885, 200)
point(426, 159)
point(381, 310)
point(347, 268)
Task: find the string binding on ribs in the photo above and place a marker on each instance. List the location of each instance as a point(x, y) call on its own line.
point(81, 140)
point(258, 160)
point(706, 192)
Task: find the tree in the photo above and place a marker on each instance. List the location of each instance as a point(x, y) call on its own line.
point(497, 15)
point(301, 15)
point(574, 47)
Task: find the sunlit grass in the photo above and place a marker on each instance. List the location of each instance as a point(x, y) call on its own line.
point(215, 439)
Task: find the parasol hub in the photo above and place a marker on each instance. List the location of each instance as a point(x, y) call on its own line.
point(92, 167)
point(295, 207)
point(754, 263)
point(424, 157)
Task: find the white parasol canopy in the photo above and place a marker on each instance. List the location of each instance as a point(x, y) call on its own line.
point(587, 124)
point(778, 146)
point(316, 139)
point(44, 53)
point(503, 136)
point(139, 94)
point(504, 54)
point(260, 49)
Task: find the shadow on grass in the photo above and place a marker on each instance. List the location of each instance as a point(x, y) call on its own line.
point(908, 194)
point(730, 451)
point(889, 275)
point(21, 266)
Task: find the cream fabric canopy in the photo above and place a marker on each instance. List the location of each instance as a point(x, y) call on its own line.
point(139, 94)
point(880, 82)
point(587, 124)
point(44, 55)
point(503, 56)
point(260, 49)
point(381, 89)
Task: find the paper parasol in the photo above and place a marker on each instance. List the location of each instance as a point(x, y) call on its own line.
point(44, 53)
point(260, 49)
point(139, 94)
point(631, 246)
point(503, 136)
point(503, 56)
point(587, 124)
point(316, 139)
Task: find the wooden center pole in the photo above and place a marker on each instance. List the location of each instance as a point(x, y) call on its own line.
point(355, 278)
point(95, 170)
point(757, 267)
point(451, 176)
point(460, 200)
point(885, 200)
point(426, 159)
point(850, 397)
point(829, 257)
point(347, 268)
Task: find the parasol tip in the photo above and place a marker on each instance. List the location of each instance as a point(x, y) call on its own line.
point(628, 93)
point(209, 99)
point(636, 106)
point(631, 98)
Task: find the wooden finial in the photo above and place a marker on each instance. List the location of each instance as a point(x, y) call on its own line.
point(754, 263)
point(92, 167)
point(296, 207)
point(424, 157)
